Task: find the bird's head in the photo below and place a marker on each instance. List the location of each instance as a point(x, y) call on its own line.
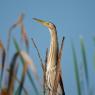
point(49, 25)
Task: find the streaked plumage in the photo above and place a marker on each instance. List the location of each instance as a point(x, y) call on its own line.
point(52, 61)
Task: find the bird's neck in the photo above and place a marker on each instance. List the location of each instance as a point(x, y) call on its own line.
point(53, 52)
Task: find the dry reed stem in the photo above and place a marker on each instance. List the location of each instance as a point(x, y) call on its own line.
point(19, 22)
point(28, 60)
point(41, 61)
point(44, 72)
point(10, 88)
point(58, 78)
point(24, 36)
point(3, 62)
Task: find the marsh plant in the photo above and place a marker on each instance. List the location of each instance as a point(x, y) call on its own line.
point(9, 69)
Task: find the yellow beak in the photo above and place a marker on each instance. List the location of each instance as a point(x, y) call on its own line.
point(44, 23)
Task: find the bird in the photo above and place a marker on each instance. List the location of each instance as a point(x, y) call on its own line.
point(51, 69)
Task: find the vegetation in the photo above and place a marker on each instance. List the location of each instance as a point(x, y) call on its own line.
point(80, 90)
point(25, 60)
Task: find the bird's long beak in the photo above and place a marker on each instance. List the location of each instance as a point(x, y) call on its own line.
point(42, 22)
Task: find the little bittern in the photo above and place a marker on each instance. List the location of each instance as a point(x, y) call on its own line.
point(52, 60)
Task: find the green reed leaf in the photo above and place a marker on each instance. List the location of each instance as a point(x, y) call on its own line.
point(83, 50)
point(28, 73)
point(76, 70)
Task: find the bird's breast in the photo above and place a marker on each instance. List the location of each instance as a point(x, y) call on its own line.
point(50, 76)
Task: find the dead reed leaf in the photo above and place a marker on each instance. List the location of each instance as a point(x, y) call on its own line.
point(61, 49)
point(1, 45)
point(12, 73)
point(22, 78)
point(29, 61)
point(39, 55)
point(28, 73)
point(0, 66)
point(18, 23)
point(24, 89)
point(4, 92)
point(3, 62)
point(24, 36)
point(20, 20)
